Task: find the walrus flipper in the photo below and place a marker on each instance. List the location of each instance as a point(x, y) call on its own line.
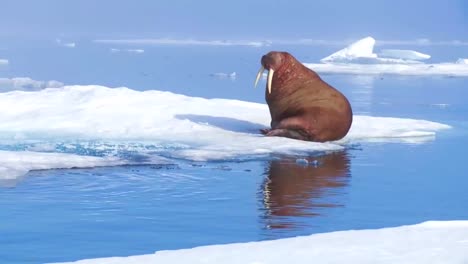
point(289, 133)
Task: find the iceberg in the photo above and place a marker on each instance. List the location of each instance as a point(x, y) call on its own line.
point(107, 121)
point(360, 58)
point(3, 62)
point(428, 242)
point(362, 49)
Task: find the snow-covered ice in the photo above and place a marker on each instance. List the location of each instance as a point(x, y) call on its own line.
point(168, 124)
point(462, 61)
point(363, 48)
point(404, 54)
point(26, 84)
point(15, 164)
point(223, 75)
point(184, 42)
point(421, 69)
point(134, 51)
point(360, 58)
point(428, 242)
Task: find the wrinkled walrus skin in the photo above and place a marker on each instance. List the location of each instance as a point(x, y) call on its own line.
point(302, 105)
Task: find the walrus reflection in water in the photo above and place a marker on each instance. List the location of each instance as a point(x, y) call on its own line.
point(295, 190)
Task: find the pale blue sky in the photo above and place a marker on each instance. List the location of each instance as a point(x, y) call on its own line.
point(241, 19)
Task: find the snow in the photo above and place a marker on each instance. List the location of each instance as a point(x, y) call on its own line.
point(462, 61)
point(184, 42)
point(26, 84)
point(17, 163)
point(363, 48)
point(359, 58)
point(134, 51)
point(422, 69)
point(404, 54)
point(428, 242)
point(223, 75)
point(109, 121)
point(65, 44)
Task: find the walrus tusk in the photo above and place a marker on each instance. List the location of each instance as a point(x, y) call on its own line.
point(270, 78)
point(259, 74)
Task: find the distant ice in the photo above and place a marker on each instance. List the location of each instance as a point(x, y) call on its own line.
point(65, 44)
point(404, 54)
point(184, 42)
point(422, 69)
point(428, 242)
point(222, 75)
point(360, 58)
point(26, 84)
point(362, 49)
point(3, 62)
point(136, 51)
point(462, 61)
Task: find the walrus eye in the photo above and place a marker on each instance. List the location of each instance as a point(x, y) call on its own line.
point(259, 74)
point(270, 78)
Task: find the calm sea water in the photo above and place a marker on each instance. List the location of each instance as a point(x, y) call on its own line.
point(65, 215)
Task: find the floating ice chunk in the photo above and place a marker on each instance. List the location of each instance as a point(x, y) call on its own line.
point(222, 75)
point(363, 49)
point(135, 51)
point(15, 164)
point(26, 84)
point(3, 62)
point(403, 68)
point(430, 242)
point(65, 44)
point(462, 61)
point(403, 54)
point(184, 42)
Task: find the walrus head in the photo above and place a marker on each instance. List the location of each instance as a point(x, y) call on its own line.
point(271, 62)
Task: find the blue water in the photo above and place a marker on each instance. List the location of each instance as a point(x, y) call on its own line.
point(65, 215)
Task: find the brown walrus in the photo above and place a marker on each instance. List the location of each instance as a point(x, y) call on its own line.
point(302, 105)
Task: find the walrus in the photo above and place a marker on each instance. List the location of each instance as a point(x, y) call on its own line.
point(302, 105)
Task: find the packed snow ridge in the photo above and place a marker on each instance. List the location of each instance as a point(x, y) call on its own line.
point(360, 58)
point(428, 242)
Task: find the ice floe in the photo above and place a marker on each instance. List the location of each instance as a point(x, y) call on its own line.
point(26, 84)
point(65, 44)
point(183, 42)
point(403, 54)
point(167, 124)
point(360, 58)
point(428, 242)
point(15, 164)
point(134, 51)
point(362, 49)
point(222, 75)
point(462, 61)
